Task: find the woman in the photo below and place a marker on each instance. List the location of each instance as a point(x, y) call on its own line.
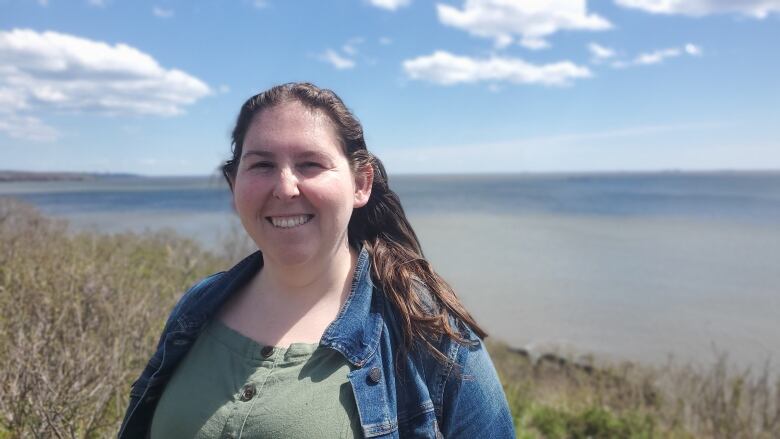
point(338, 326)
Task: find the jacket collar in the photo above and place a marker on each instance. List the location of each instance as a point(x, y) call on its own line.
point(356, 330)
point(354, 333)
point(204, 306)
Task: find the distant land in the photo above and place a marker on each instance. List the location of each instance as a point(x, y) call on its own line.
point(9, 176)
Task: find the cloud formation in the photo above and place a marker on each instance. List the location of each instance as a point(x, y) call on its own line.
point(351, 46)
point(340, 62)
point(759, 9)
point(162, 12)
point(43, 71)
point(692, 49)
point(530, 20)
point(444, 68)
point(658, 56)
point(26, 127)
point(599, 53)
point(390, 5)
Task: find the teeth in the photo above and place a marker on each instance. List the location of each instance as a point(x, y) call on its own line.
point(290, 221)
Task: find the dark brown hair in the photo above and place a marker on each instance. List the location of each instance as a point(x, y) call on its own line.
point(398, 265)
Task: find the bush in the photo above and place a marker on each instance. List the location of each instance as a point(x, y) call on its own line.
point(555, 397)
point(80, 314)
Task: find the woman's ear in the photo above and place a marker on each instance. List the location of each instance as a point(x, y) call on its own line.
point(364, 179)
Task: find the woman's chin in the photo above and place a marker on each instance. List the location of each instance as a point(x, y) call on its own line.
point(290, 256)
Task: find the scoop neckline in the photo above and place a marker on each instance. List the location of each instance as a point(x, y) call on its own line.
point(248, 347)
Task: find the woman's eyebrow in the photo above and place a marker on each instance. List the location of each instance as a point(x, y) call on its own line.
point(302, 155)
point(313, 154)
point(261, 153)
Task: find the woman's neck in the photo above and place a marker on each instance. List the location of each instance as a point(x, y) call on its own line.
point(283, 306)
point(323, 278)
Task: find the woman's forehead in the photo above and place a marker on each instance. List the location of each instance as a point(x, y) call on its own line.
point(292, 127)
point(292, 111)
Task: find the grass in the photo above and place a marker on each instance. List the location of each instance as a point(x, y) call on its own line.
point(80, 316)
point(81, 313)
point(554, 397)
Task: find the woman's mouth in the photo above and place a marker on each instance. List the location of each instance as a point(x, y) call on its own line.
point(288, 222)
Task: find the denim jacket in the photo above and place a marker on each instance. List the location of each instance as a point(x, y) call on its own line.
point(422, 398)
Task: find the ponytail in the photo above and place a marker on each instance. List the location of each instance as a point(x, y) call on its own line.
point(399, 267)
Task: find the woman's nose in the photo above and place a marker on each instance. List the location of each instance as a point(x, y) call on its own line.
point(286, 186)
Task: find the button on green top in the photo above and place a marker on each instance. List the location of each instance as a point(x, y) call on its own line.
point(228, 385)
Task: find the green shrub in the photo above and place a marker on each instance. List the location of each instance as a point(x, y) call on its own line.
point(80, 317)
point(551, 423)
point(81, 313)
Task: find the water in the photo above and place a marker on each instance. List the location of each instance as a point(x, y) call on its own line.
point(630, 266)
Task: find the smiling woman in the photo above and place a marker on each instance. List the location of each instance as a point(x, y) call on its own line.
point(294, 188)
point(338, 326)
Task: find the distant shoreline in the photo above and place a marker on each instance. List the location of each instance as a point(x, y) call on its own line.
point(10, 176)
point(17, 176)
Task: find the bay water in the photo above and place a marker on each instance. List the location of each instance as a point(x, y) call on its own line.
point(636, 266)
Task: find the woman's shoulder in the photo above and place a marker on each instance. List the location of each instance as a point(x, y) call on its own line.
point(188, 301)
point(213, 289)
point(197, 290)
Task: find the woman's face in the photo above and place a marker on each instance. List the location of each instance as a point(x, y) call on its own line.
point(294, 189)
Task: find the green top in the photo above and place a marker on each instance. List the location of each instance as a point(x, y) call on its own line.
point(229, 386)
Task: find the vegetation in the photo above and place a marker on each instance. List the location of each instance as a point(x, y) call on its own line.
point(81, 313)
point(555, 397)
point(80, 317)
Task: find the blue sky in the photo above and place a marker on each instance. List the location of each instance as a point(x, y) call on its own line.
point(441, 87)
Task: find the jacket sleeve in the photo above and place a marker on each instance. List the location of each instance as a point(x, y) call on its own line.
point(474, 402)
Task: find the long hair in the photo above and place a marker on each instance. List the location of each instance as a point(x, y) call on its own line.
point(398, 265)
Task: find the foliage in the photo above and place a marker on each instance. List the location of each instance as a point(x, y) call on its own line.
point(81, 313)
point(556, 397)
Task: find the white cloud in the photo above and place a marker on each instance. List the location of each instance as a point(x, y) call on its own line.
point(759, 9)
point(350, 47)
point(331, 57)
point(390, 5)
point(27, 128)
point(658, 56)
point(346, 58)
point(161, 12)
point(599, 52)
point(12, 99)
point(45, 71)
point(61, 71)
point(447, 69)
point(692, 49)
point(530, 20)
point(385, 41)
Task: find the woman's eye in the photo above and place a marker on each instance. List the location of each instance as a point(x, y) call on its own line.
point(262, 165)
point(311, 165)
